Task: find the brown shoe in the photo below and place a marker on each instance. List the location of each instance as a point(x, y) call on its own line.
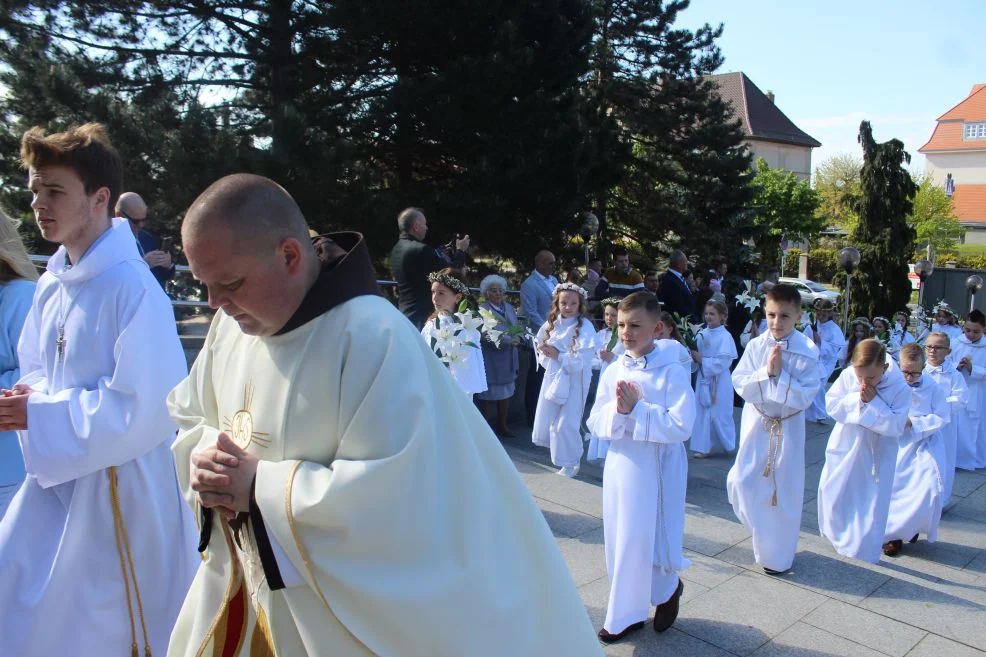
point(892, 548)
point(667, 612)
point(606, 637)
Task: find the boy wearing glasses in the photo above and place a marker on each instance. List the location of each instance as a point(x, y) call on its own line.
point(941, 369)
point(916, 502)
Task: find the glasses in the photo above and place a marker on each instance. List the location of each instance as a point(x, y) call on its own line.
point(910, 375)
point(934, 347)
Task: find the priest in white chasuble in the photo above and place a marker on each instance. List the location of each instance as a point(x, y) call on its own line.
point(97, 549)
point(352, 501)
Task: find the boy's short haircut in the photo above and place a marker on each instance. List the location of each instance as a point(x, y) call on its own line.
point(869, 352)
point(644, 301)
point(85, 149)
point(784, 293)
point(912, 353)
point(977, 317)
point(720, 308)
point(944, 336)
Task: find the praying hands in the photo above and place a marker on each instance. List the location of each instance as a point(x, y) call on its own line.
point(222, 476)
point(13, 408)
point(627, 396)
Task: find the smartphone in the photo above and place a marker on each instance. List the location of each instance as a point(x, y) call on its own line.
point(167, 243)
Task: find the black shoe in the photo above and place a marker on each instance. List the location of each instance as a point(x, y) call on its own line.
point(667, 612)
point(606, 637)
point(771, 571)
point(914, 539)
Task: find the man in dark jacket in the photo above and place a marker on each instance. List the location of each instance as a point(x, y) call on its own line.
point(411, 260)
point(674, 294)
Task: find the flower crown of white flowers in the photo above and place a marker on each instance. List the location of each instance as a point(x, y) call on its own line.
point(571, 287)
point(861, 320)
point(880, 318)
point(942, 306)
point(451, 282)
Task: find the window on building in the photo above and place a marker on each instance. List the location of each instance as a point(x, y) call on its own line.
point(975, 130)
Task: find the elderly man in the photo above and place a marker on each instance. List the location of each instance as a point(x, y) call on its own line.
point(131, 207)
point(674, 293)
point(411, 260)
point(535, 303)
point(333, 461)
point(620, 279)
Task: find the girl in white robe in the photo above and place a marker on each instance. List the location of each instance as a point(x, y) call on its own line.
point(668, 330)
point(565, 346)
point(644, 481)
point(947, 322)
point(605, 357)
point(830, 343)
point(869, 403)
point(766, 483)
point(941, 369)
point(859, 330)
point(969, 355)
point(881, 329)
point(714, 425)
point(901, 332)
point(916, 502)
point(457, 344)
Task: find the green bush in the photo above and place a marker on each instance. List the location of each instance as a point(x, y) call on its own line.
point(970, 260)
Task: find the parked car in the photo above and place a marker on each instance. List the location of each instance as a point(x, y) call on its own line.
point(811, 292)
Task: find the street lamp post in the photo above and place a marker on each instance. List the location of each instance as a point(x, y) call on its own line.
point(588, 228)
point(973, 283)
point(924, 269)
point(849, 259)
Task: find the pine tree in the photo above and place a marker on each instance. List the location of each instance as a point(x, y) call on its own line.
point(685, 173)
point(882, 235)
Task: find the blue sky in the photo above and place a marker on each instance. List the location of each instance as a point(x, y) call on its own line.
point(900, 64)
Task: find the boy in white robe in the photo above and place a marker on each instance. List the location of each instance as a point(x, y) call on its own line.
point(941, 369)
point(777, 377)
point(565, 346)
point(354, 502)
point(830, 342)
point(969, 355)
point(916, 502)
point(645, 408)
point(869, 403)
point(714, 425)
point(97, 549)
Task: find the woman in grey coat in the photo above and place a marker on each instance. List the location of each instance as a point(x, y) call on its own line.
point(500, 357)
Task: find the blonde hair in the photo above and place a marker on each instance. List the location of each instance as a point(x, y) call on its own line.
point(720, 308)
point(869, 352)
point(14, 261)
point(555, 312)
point(912, 353)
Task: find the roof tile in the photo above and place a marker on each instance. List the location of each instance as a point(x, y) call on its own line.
point(969, 202)
point(760, 117)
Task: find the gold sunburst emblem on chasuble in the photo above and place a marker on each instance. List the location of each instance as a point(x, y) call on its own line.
point(240, 428)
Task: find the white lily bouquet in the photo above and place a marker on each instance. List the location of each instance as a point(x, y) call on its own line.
point(689, 332)
point(489, 323)
point(451, 340)
point(750, 300)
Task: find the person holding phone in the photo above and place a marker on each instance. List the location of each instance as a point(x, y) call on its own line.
point(156, 253)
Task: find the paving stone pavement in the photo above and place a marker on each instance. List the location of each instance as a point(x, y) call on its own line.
point(928, 602)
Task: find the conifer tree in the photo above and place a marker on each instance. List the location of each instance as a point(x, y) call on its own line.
point(882, 234)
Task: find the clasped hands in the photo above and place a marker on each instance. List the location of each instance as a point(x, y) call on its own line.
point(13, 408)
point(222, 475)
point(628, 394)
point(867, 393)
point(965, 364)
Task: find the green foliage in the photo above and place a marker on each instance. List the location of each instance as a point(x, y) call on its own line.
point(823, 264)
point(881, 286)
point(682, 170)
point(838, 185)
point(933, 217)
point(785, 208)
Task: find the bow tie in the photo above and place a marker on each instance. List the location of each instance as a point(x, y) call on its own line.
point(916, 384)
point(632, 363)
point(771, 342)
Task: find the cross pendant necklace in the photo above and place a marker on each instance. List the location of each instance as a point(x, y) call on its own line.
point(60, 343)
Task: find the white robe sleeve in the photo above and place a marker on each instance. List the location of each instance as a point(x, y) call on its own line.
point(715, 365)
point(844, 404)
point(754, 385)
point(925, 425)
point(977, 373)
point(747, 334)
point(958, 396)
point(29, 353)
point(77, 431)
point(655, 423)
point(604, 421)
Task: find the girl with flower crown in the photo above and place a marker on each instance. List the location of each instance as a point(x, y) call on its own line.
point(946, 321)
point(881, 329)
point(454, 337)
point(565, 346)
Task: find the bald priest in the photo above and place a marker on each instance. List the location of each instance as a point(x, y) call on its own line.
point(352, 502)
